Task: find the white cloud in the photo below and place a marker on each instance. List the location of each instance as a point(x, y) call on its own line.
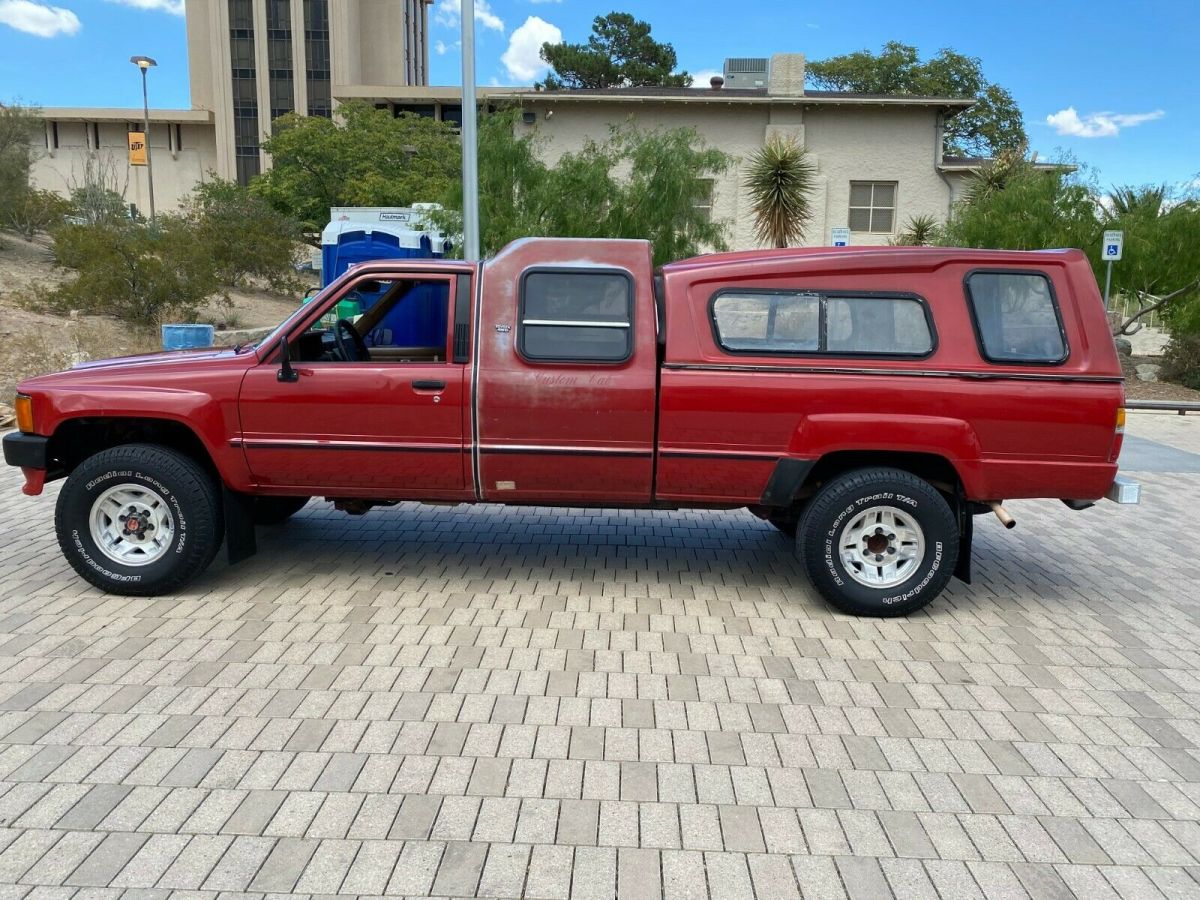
point(38, 18)
point(523, 56)
point(440, 48)
point(1069, 123)
point(174, 7)
point(702, 78)
point(449, 13)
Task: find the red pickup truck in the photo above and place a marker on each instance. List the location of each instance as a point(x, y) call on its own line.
point(868, 401)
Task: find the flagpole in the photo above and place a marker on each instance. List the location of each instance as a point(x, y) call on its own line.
point(470, 139)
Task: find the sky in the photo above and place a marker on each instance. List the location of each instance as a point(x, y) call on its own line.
point(1112, 84)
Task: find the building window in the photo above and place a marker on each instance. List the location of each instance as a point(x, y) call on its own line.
point(52, 135)
point(873, 206)
point(316, 55)
point(279, 57)
point(704, 202)
point(177, 131)
point(245, 89)
point(1016, 317)
point(576, 316)
point(809, 322)
point(93, 135)
point(426, 110)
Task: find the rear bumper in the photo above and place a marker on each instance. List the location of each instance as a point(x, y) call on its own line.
point(25, 450)
point(1124, 490)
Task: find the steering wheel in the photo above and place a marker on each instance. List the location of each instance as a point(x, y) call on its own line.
point(345, 329)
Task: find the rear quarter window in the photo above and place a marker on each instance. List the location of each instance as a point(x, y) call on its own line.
point(1016, 317)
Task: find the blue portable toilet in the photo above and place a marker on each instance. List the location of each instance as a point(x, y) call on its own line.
point(357, 234)
point(360, 234)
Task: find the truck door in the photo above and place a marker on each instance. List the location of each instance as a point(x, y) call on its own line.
point(376, 405)
point(567, 375)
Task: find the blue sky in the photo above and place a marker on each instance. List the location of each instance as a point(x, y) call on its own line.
point(1112, 83)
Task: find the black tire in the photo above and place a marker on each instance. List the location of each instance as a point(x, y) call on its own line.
point(193, 501)
point(787, 526)
point(831, 511)
point(277, 510)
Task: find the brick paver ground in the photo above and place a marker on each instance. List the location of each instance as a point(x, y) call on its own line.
point(505, 702)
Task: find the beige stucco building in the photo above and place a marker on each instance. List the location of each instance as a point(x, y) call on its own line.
point(879, 158)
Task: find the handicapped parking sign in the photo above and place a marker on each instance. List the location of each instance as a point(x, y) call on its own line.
point(1113, 246)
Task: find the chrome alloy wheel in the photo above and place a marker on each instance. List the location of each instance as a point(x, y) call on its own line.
point(132, 525)
point(881, 547)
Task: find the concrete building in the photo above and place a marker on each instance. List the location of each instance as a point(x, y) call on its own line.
point(249, 62)
point(879, 158)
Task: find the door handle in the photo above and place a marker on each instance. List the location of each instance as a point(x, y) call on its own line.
point(429, 385)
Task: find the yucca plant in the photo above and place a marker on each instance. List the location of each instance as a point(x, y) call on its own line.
point(780, 180)
point(919, 231)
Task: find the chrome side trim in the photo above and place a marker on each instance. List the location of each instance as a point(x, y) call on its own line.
point(912, 373)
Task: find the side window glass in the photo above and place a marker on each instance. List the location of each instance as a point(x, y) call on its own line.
point(770, 323)
point(813, 322)
point(382, 320)
point(584, 316)
point(1016, 317)
point(877, 325)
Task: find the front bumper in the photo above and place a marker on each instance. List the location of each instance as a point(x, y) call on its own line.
point(25, 450)
point(1124, 490)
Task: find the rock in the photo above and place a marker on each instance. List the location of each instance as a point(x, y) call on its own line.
point(8, 416)
point(1124, 346)
point(240, 336)
point(1147, 372)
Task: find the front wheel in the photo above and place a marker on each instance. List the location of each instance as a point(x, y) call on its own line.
point(139, 520)
point(879, 542)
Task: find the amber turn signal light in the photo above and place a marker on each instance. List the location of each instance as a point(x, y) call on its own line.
point(1121, 420)
point(24, 408)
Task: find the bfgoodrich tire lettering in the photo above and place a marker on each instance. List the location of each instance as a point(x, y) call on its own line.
point(187, 491)
point(917, 527)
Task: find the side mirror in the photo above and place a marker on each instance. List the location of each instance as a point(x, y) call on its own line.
point(286, 373)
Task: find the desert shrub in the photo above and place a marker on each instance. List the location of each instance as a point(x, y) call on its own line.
point(33, 212)
point(245, 237)
point(1181, 359)
point(133, 271)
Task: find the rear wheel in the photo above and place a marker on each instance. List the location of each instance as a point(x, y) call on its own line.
point(139, 520)
point(879, 542)
point(276, 510)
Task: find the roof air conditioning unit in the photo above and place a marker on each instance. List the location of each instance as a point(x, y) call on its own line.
point(746, 72)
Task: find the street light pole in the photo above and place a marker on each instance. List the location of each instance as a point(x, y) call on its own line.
point(144, 63)
point(470, 138)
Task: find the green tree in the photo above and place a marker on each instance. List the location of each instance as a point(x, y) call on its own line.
point(619, 53)
point(1160, 265)
point(780, 179)
point(20, 208)
point(364, 157)
point(243, 235)
point(994, 124)
point(1029, 208)
point(634, 184)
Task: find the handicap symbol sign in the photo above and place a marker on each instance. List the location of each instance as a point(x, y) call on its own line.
point(1111, 251)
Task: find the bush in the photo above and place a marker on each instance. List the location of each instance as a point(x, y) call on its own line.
point(132, 271)
point(244, 236)
point(1181, 361)
point(34, 212)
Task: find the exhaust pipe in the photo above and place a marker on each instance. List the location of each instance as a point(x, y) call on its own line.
point(1002, 514)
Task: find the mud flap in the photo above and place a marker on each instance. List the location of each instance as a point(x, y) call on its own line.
point(240, 540)
point(966, 534)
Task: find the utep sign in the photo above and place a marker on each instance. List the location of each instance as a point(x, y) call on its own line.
point(1113, 246)
point(137, 148)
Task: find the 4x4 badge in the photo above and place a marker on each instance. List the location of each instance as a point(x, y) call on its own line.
point(503, 329)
